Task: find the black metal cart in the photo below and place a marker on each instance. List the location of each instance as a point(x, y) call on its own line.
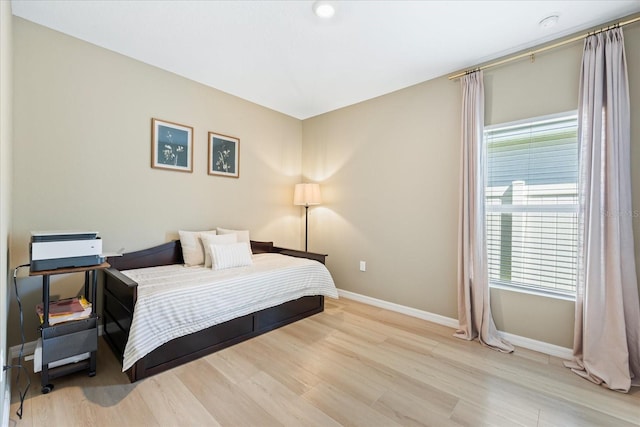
point(71, 338)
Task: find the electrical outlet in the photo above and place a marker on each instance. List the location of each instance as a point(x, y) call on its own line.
point(363, 266)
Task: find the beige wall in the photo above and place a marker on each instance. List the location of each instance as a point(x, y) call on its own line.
point(6, 118)
point(82, 126)
point(390, 174)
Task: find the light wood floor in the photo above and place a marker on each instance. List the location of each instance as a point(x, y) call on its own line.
point(351, 365)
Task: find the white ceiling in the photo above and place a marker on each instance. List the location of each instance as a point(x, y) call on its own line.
point(280, 55)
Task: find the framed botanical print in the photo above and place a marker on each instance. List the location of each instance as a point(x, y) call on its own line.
point(224, 155)
point(171, 146)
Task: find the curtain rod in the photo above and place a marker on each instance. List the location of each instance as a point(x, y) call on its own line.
point(542, 49)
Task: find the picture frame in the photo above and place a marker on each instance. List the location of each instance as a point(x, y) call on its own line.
point(171, 146)
point(224, 155)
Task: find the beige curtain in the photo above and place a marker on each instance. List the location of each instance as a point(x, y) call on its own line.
point(474, 312)
point(607, 330)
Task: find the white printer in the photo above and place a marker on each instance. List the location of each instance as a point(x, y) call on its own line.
point(50, 250)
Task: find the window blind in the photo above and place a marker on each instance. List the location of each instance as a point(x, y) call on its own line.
point(532, 203)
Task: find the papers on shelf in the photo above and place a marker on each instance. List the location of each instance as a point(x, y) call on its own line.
point(65, 310)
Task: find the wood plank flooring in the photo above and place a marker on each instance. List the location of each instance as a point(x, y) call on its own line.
point(352, 365)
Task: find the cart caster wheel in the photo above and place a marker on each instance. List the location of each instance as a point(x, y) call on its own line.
point(92, 373)
point(47, 388)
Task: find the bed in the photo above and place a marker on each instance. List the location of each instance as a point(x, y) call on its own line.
point(124, 299)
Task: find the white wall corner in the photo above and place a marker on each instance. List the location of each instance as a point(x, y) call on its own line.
point(6, 401)
point(524, 342)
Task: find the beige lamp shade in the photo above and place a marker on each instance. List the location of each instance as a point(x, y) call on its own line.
point(307, 195)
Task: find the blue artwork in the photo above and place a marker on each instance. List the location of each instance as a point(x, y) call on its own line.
point(224, 156)
point(173, 146)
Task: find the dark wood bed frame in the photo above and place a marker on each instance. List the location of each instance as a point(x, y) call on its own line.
point(120, 294)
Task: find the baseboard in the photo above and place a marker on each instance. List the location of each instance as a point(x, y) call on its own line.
point(539, 346)
point(391, 306)
point(30, 347)
point(524, 342)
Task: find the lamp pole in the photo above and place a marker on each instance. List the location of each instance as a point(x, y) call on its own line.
point(306, 227)
point(306, 195)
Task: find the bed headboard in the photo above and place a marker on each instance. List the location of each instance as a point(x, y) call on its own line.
point(165, 254)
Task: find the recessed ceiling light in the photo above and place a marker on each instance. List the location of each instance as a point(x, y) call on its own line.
point(323, 9)
point(549, 21)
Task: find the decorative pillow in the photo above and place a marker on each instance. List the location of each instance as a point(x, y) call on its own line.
point(261, 247)
point(221, 239)
point(230, 256)
point(192, 248)
point(243, 235)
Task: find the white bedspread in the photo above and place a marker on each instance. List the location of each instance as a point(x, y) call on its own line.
point(174, 300)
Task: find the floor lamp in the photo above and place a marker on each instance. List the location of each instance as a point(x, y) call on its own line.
point(306, 195)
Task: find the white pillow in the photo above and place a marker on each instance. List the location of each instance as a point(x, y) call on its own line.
point(230, 256)
point(223, 239)
point(192, 248)
point(243, 235)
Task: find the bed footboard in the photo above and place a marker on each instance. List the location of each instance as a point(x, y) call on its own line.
point(118, 300)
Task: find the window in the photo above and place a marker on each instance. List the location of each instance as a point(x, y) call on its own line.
point(532, 204)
